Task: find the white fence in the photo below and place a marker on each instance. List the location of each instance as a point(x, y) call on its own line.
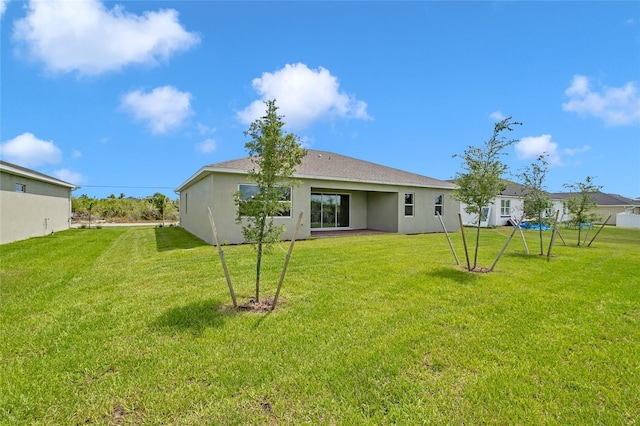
point(628, 220)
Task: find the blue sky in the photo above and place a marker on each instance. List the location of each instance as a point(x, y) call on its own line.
point(134, 97)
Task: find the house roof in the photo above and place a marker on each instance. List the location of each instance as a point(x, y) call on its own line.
point(513, 190)
point(23, 171)
point(331, 166)
point(602, 199)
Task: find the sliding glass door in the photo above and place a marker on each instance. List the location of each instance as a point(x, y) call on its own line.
point(329, 210)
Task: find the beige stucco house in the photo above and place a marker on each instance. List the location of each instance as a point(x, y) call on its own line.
point(336, 193)
point(608, 205)
point(31, 203)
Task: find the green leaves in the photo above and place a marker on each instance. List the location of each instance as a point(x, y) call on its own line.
point(481, 180)
point(275, 156)
point(582, 204)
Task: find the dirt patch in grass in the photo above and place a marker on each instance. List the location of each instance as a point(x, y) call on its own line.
point(117, 416)
point(264, 305)
point(477, 269)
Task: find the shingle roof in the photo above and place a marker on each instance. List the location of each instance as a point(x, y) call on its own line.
point(513, 190)
point(23, 171)
point(332, 166)
point(602, 199)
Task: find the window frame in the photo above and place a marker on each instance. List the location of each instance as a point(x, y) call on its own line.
point(410, 205)
point(286, 213)
point(21, 187)
point(438, 204)
point(505, 204)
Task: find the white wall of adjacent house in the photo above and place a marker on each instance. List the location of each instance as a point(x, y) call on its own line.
point(31, 208)
point(501, 212)
point(628, 219)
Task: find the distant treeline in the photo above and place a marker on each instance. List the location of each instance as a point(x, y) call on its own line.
point(157, 207)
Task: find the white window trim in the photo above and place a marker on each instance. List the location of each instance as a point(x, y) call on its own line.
point(412, 204)
point(290, 201)
point(502, 207)
point(436, 205)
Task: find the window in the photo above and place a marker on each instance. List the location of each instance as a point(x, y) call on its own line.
point(505, 208)
point(20, 187)
point(329, 210)
point(408, 204)
point(248, 192)
point(439, 203)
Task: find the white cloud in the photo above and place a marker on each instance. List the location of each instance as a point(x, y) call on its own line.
point(573, 151)
point(76, 154)
point(3, 6)
point(164, 108)
point(615, 105)
point(205, 130)
point(303, 95)
point(28, 151)
point(206, 146)
point(497, 116)
point(68, 176)
point(533, 146)
point(84, 36)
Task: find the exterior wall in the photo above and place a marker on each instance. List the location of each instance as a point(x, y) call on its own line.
point(193, 209)
point(383, 207)
point(383, 211)
point(424, 219)
point(495, 217)
point(373, 206)
point(605, 211)
point(515, 211)
point(43, 208)
point(216, 191)
point(628, 220)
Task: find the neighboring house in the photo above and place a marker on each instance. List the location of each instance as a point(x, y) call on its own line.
point(336, 193)
point(505, 207)
point(509, 205)
point(31, 203)
point(608, 204)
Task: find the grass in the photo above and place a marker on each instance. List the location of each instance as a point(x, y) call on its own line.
point(135, 326)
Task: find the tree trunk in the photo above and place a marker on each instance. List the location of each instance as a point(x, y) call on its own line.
point(579, 231)
point(475, 256)
point(540, 234)
point(258, 266)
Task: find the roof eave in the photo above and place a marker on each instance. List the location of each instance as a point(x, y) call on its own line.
point(38, 177)
point(208, 169)
point(205, 171)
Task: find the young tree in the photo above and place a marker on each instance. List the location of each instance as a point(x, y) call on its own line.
point(80, 205)
point(159, 201)
point(482, 179)
point(275, 156)
point(536, 198)
point(582, 204)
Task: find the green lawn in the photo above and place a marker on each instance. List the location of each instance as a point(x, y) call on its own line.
point(136, 326)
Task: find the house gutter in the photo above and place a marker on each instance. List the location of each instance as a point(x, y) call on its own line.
point(207, 170)
point(36, 176)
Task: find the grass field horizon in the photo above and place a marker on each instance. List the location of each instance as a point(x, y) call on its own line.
point(129, 325)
